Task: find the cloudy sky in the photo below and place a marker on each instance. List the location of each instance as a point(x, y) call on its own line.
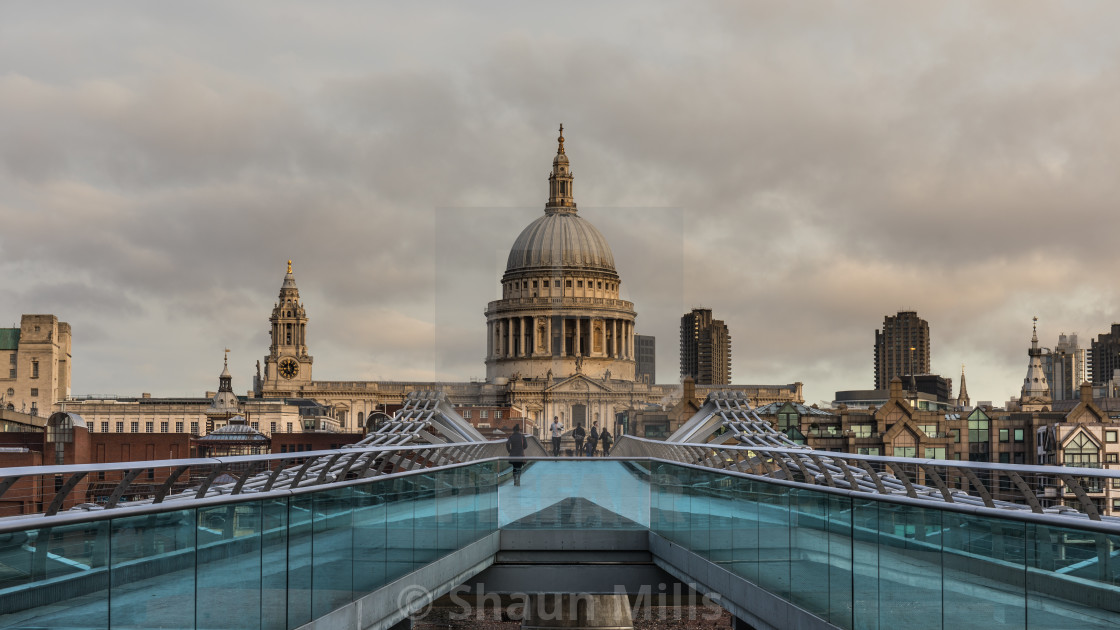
point(803, 169)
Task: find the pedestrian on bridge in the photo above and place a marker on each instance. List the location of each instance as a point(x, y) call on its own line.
point(593, 439)
point(557, 430)
point(579, 435)
point(605, 436)
point(515, 446)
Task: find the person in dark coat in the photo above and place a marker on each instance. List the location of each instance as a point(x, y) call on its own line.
point(593, 440)
point(607, 440)
point(515, 446)
point(579, 435)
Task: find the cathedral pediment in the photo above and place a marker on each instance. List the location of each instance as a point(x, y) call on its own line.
point(577, 384)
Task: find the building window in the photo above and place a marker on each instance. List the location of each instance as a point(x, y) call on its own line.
point(568, 283)
point(149, 427)
point(289, 427)
point(34, 369)
point(600, 285)
point(467, 414)
point(12, 358)
point(1116, 504)
point(257, 426)
point(1005, 458)
point(164, 427)
point(34, 391)
point(1110, 437)
point(120, 427)
point(544, 283)
point(861, 431)
point(1004, 435)
point(956, 434)
point(272, 427)
point(194, 428)
point(104, 427)
point(135, 427)
point(579, 284)
point(868, 450)
point(178, 427)
point(978, 431)
point(534, 284)
point(1112, 458)
point(905, 451)
point(929, 429)
point(11, 392)
point(497, 415)
point(12, 373)
point(935, 452)
point(1116, 484)
point(484, 414)
point(1081, 452)
point(1020, 435)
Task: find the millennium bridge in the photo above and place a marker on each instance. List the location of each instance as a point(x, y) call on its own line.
point(727, 508)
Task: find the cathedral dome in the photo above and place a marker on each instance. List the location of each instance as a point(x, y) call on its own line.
point(560, 239)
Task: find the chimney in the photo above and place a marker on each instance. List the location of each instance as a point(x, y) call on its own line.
point(1086, 392)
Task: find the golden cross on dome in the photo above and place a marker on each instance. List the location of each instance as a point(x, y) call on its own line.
point(561, 139)
point(289, 265)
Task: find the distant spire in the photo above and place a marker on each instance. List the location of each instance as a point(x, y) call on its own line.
point(560, 151)
point(1034, 332)
point(289, 285)
point(962, 398)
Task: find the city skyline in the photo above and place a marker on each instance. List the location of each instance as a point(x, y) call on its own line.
point(802, 174)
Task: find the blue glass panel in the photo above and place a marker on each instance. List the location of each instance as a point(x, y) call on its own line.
point(152, 570)
point(745, 524)
point(274, 563)
point(332, 581)
point(699, 489)
point(399, 526)
point(809, 550)
point(73, 558)
point(865, 563)
point(369, 537)
point(447, 509)
point(773, 539)
point(909, 566)
point(229, 566)
point(425, 533)
point(300, 557)
point(1071, 575)
point(840, 594)
point(984, 564)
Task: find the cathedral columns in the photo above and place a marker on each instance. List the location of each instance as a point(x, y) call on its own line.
point(563, 336)
point(577, 341)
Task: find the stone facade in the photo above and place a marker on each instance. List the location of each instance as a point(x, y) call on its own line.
point(36, 370)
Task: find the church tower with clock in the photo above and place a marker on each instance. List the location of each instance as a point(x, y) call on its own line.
point(288, 366)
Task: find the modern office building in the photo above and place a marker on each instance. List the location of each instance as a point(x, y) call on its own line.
point(901, 348)
point(1104, 356)
point(1065, 368)
point(705, 348)
point(647, 358)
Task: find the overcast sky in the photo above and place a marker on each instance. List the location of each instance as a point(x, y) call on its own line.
point(803, 169)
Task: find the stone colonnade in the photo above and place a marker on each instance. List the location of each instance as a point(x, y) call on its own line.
point(527, 336)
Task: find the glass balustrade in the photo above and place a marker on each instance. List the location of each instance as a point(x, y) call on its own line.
point(280, 561)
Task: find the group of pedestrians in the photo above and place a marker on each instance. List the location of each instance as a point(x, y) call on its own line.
point(586, 445)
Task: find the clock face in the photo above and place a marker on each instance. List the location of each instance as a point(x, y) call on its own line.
point(288, 368)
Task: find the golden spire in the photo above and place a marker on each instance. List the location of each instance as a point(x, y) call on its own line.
point(561, 140)
point(289, 265)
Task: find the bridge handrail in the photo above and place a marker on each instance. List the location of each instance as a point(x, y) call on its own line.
point(950, 479)
point(118, 482)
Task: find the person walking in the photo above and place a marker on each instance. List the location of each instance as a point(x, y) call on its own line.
point(557, 430)
point(515, 446)
point(593, 440)
point(579, 435)
point(605, 436)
